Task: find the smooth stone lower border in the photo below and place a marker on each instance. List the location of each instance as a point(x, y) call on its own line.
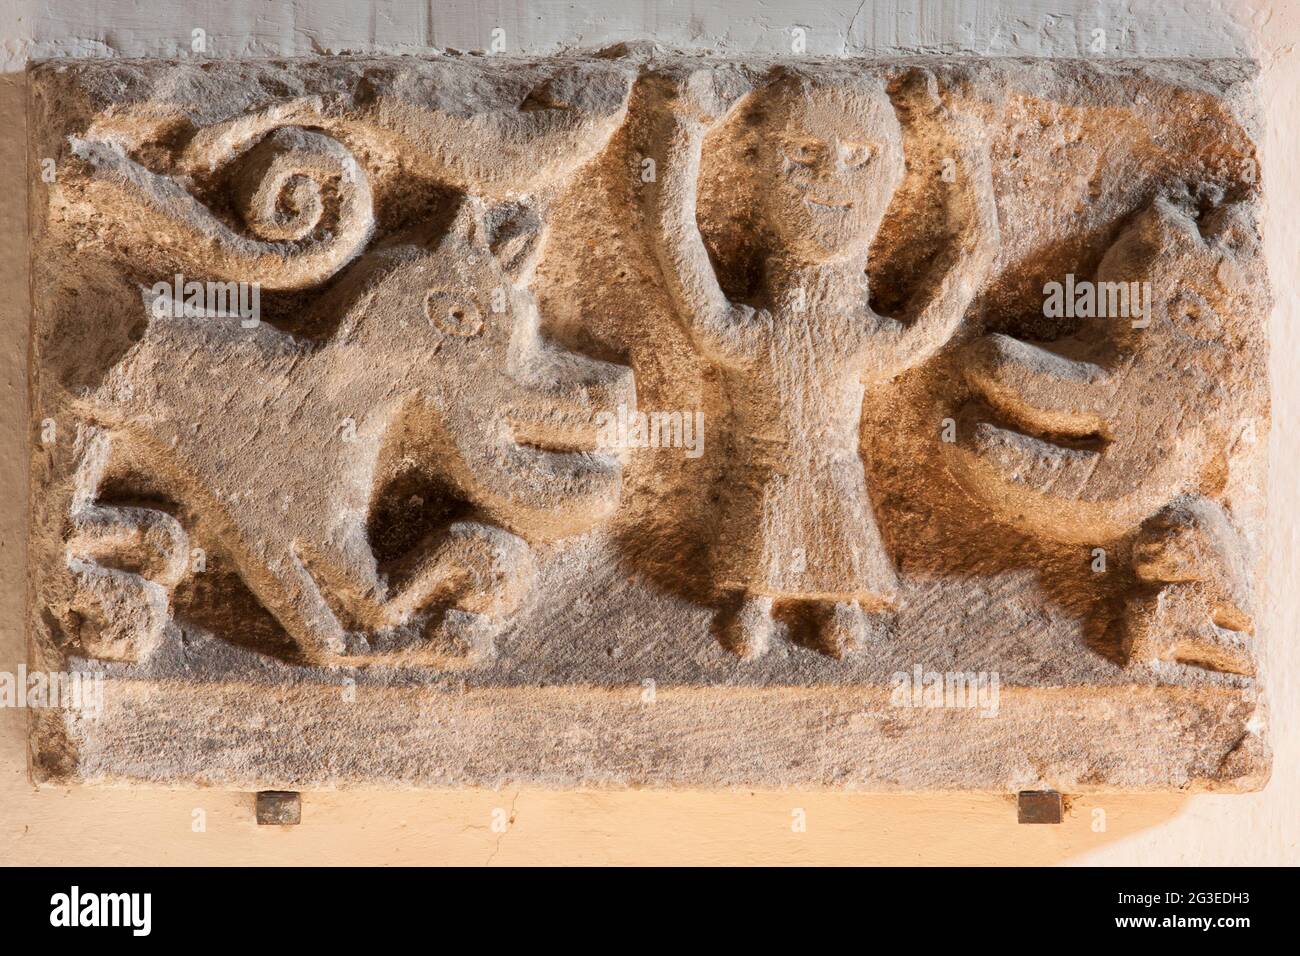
point(305, 736)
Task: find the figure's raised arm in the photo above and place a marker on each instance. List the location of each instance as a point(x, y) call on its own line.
point(673, 138)
point(947, 290)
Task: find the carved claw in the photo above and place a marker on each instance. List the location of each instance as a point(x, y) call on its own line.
point(126, 563)
point(462, 635)
point(484, 574)
point(1187, 624)
point(450, 606)
point(478, 568)
point(1194, 603)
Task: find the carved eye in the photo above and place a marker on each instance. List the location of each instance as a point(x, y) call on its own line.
point(802, 152)
point(856, 155)
point(453, 314)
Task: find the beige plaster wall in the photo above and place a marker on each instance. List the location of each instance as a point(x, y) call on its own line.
point(85, 826)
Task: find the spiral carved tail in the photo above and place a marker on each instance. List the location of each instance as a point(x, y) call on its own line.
point(303, 197)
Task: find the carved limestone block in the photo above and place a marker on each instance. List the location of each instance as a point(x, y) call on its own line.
point(634, 419)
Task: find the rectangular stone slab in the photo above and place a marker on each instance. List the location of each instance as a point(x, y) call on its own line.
point(629, 419)
point(250, 736)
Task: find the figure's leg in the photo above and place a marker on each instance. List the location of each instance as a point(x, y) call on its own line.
point(847, 627)
point(747, 625)
point(841, 628)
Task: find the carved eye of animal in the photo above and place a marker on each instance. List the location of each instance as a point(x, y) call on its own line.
point(453, 314)
point(856, 155)
point(802, 152)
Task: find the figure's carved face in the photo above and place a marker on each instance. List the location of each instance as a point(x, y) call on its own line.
point(829, 160)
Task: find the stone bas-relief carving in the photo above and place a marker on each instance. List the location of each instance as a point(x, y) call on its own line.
point(361, 391)
point(825, 158)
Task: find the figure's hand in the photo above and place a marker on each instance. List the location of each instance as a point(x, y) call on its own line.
point(679, 109)
point(958, 142)
point(700, 95)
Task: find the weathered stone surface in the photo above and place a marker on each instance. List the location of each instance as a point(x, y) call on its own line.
point(627, 420)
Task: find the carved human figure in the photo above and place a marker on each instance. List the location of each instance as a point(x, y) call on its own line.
point(795, 523)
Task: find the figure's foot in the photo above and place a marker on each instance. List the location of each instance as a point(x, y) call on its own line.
point(841, 629)
point(747, 627)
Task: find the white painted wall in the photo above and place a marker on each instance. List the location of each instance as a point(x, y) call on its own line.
point(87, 826)
point(834, 27)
